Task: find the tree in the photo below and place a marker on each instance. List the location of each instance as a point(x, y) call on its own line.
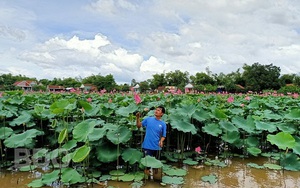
point(101, 82)
point(144, 86)
point(261, 77)
point(177, 78)
point(202, 79)
point(286, 79)
point(158, 80)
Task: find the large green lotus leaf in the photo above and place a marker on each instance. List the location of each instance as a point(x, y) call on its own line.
point(125, 111)
point(190, 161)
point(105, 111)
point(71, 176)
point(287, 127)
point(70, 144)
point(272, 166)
point(59, 106)
point(85, 105)
point(254, 151)
point(50, 177)
point(82, 130)
point(152, 162)
point(81, 153)
point(212, 179)
point(282, 140)
point(23, 119)
point(296, 149)
point(187, 110)
point(175, 172)
point(35, 183)
point(244, 124)
point(23, 139)
point(220, 114)
point(131, 155)
point(97, 134)
point(201, 115)
point(237, 111)
point(120, 172)
point(172, 180)
point(254, 165)
point(27, 168)
point(294, 114)
point(107, 152)
point(212, 129)
point(263, 126)
point(253, 105)
point(121, 135)
point(252, 141)
point(272, 116)
point(290, 162)
point(6, 113)
point(5, 132)
point(127, 177)
point(227, 126)
point(40, 153)
point(231, 137)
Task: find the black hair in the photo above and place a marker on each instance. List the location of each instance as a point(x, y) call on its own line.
point(163, 110)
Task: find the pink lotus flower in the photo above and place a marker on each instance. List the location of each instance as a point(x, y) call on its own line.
point(198, 149)
point(247, 98)
point(230, 99)
point(295, 95)
point(242, 105)
point(89, 99)
point(137, 98)
point(110, 101)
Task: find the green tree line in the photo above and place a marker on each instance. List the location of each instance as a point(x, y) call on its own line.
point(255, 77)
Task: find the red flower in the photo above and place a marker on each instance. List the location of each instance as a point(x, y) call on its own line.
point(198, 149)
point(137, 98)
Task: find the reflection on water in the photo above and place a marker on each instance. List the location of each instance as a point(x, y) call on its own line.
point(237, 174)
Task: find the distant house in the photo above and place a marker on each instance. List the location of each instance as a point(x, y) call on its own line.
point(189, 88)
point(136, 88)
point(26, 85)
point(54, 88)
point(88, 87)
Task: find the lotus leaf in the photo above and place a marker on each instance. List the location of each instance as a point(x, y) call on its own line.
point(231, 137)
point(270, 127)
point(105, 111)
point(272, 166)
point(252, 141)
point(70, 144)
point(190, 161)
point(121, 135)
point(212, 129)
point(183, 126)
point(50, 177)
point(254, 151)
point(107, 153)
point(272, 116)
point(125, 111)
point(132, 155)
point(254, 165)
point(228, 126)
point(244, 124)
point(212, 179)
point(201, 115)
point(127, 177)
point(119, 172)
point(82, 130)
point(97, 134)
point(152, 162)
point(27, 168)
point(290, 162)
point(81, 153)
point(105, 177)
point(172, 180)
point(287, 127)
point(35, 183)
point(71, 176)
point(5, 132)
point(62, 135)
point(40, 153)
point(220, 114)
point(294, 114)
point(175, 172)
point(24, 118)
point(282, 140)
point(22, 140)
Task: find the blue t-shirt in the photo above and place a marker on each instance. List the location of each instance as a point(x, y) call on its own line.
point(155, 129)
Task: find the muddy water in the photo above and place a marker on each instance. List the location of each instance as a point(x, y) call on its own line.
point(236, 175)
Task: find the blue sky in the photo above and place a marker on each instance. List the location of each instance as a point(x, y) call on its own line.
point(136, 39)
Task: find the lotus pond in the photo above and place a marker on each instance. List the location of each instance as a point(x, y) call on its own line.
point(213, 140)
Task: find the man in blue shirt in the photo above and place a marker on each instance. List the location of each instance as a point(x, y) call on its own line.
point(156, 132)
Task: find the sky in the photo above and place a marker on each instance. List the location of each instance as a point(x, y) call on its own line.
point(134, 39)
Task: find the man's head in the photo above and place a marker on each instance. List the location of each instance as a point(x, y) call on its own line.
point(159, 112)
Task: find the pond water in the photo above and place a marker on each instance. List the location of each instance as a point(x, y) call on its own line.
point(236, 174)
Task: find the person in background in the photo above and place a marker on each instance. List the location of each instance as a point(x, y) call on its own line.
point(156, 132)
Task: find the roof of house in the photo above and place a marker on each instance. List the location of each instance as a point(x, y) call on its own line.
point(25, 83)
point(189, 85)
point(55, 87)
